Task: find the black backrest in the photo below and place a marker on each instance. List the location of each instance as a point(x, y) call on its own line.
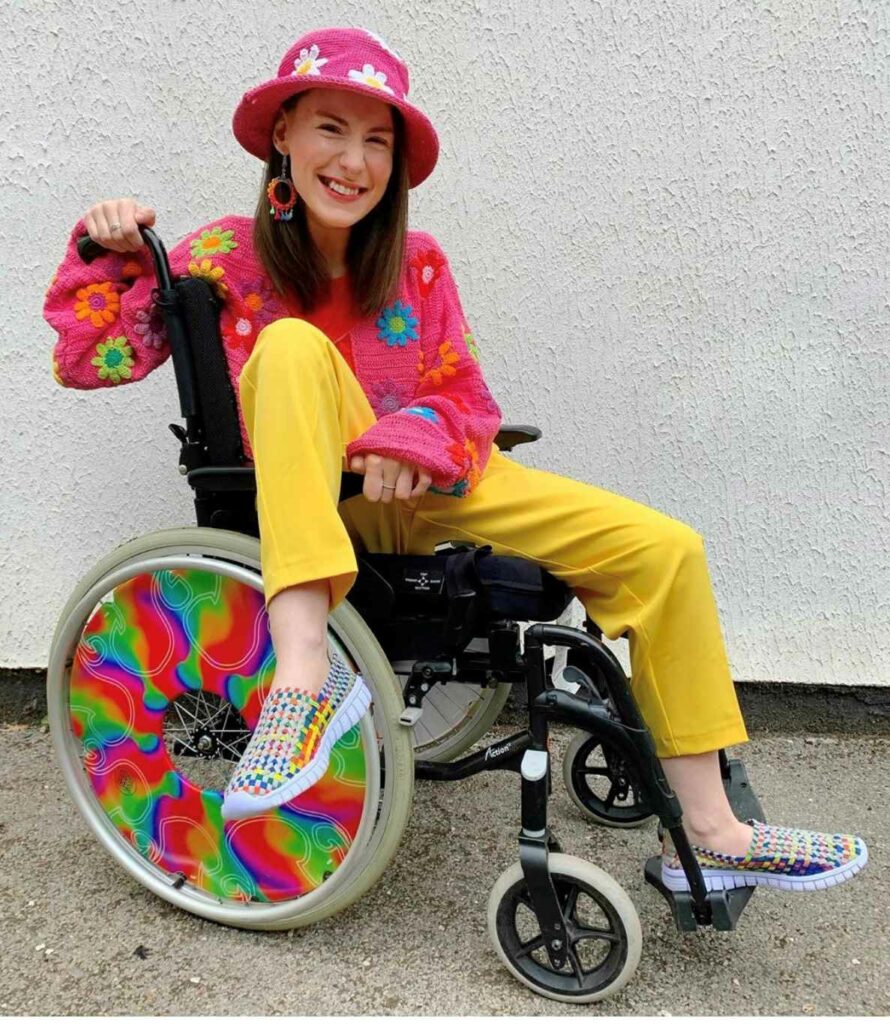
point(216, 397)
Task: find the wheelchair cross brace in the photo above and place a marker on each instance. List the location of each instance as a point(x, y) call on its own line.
point(527, 753)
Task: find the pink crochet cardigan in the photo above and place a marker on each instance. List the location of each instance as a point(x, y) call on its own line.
point(416, 360)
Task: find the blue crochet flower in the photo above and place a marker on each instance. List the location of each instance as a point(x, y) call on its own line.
point(425, 412)
point(457, 490)
point(397, 325)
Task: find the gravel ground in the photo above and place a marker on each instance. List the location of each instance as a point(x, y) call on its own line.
point(80, 937)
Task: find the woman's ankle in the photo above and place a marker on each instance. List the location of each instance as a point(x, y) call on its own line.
point(306, 669)
point(732, 837)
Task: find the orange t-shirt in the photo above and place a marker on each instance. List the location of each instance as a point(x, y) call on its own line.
point(335, 317)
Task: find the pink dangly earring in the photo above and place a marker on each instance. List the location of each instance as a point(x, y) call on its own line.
point(282, 208)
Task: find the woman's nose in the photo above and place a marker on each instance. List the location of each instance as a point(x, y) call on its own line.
point(353, 156)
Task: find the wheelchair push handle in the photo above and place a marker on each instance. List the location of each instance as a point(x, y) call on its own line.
point(89, 250)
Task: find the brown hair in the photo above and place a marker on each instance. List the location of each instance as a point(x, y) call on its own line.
point(376, 245)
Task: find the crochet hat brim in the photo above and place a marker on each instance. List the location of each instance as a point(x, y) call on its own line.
point(255, 116)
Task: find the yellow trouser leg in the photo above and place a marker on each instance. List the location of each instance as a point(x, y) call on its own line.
point(302, 405)
point(634, 569)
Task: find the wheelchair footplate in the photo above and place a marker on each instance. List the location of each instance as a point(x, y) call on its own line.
point(721, 909)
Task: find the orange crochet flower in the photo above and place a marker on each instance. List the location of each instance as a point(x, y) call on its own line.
point(446, 367)
point(466, 456)
point(99, 302)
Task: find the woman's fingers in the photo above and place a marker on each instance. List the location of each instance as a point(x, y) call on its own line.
point(113, 224)
point(404, 481)
point(423, 482)
point(386, 479)
point(129, 229)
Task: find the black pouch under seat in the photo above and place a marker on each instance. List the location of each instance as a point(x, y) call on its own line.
point(491, 586)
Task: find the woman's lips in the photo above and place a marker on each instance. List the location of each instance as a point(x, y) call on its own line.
point(338, 195)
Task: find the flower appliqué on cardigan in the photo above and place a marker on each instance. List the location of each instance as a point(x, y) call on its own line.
point(427, 265)
point(114, 360)
point(309, 62)
point(397, 325)
point(211, 274)
point(387, 397)
point(213, 241)
point(472, 346)
point(100, 302)
point(445, 366)
point(150, 327)
point(259, 298)
point(425, 412)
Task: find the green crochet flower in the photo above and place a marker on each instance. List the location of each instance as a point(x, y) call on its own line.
point(114, 360)
point(212, 242)
point(472, 347)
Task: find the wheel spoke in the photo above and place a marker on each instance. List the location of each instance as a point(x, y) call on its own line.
point(568, 908)
point(596, 771)
point(178, 710)
point(576, 963)
point(610, 799)
point(529, 947)
point(595, 933)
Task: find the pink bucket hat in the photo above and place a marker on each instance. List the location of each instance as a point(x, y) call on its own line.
point(338, 58)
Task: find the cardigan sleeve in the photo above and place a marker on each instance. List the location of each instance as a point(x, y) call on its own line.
point(453, 419)
point(109, 328)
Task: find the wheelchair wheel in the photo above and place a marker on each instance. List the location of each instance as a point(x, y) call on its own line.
point(454, 716)
point(601, 785)
point(604, 937)
point(157, 672)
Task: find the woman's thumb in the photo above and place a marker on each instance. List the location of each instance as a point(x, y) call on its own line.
point(145, 215)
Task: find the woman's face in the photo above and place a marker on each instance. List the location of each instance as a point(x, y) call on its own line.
point(334, 136)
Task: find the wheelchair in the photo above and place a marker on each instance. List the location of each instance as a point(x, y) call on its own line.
point(162, 656)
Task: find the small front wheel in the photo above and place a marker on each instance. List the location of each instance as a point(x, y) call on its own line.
point(603, 935)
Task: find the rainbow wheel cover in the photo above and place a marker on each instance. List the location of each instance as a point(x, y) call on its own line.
point(167, 682)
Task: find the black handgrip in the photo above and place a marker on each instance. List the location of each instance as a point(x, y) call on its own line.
point(88, 250)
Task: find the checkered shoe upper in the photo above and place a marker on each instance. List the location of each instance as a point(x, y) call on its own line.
point(786, 851)
point(288, 733)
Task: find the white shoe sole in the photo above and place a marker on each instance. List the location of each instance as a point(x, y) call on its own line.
point(350, 712)
point(717, 880)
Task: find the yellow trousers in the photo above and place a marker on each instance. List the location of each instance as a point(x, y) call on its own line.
point(635, 570)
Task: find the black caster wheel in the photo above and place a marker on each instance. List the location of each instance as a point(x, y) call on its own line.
point(600, 784)
point(603, 935)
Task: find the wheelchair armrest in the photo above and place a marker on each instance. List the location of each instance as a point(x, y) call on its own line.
point(243, 478)
point(513, 434)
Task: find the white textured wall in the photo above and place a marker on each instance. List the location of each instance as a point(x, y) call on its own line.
point(669, 222)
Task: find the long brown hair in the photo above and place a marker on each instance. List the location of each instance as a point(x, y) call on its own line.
point(375, 250)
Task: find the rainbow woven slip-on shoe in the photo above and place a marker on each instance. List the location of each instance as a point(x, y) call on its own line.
point(291, 745)
point(784, 858)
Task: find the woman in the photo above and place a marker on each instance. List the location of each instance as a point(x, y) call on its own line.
point(346, 339)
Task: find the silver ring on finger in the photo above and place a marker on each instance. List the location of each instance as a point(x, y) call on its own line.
point(388, 487)
point(114, 227)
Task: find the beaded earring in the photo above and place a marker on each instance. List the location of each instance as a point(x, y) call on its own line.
point(282, 209)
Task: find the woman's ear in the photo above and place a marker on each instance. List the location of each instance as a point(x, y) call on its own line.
point(279, 133)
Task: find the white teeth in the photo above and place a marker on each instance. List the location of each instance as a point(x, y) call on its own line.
point(342, 189)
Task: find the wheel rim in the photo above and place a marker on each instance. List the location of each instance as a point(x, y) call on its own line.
point(161, 640)
point(602, 782)
point(596, 939)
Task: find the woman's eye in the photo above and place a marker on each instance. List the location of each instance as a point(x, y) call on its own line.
point(376, 139)
point(330, 128)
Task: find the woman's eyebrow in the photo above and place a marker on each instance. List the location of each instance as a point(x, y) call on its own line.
point(333, 117)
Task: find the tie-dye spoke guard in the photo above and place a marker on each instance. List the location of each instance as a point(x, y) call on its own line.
point(166, 685)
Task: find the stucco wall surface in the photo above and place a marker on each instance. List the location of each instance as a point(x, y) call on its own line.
point(668, 221)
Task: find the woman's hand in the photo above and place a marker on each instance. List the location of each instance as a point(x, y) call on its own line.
point(378, 471)
point(114, 223)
